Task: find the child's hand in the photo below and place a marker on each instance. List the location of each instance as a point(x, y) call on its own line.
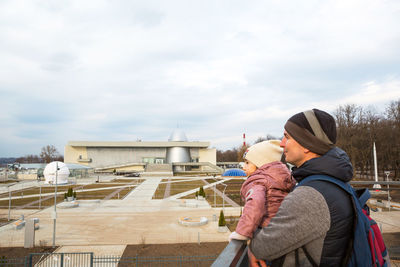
point(237, 236)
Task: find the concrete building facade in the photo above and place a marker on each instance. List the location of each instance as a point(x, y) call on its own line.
point(175, 155)
point(103, 154)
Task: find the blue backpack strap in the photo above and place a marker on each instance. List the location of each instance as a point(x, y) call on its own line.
point(363, 196)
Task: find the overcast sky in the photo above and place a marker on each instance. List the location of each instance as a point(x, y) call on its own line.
point(128, 70)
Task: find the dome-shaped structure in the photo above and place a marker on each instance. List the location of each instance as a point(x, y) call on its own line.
point(50, 173)
point(234, 172)
point(178, 153)
point(177, 136)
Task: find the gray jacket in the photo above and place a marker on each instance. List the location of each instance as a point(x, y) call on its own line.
point(317, 216)
point(302, 220)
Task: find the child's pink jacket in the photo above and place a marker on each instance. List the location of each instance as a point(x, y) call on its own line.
point(263, 192)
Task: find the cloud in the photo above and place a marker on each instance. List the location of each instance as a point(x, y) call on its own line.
point(123, 70)
point(376, 92)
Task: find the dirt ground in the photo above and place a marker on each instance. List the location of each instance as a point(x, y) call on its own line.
point(187, 249)
point(20, 253)
point(184, 249)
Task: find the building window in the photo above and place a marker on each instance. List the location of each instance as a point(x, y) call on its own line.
point(153, 160)
point(159, 161)
point(148, 160)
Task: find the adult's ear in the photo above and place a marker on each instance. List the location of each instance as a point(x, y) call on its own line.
point(309, 154)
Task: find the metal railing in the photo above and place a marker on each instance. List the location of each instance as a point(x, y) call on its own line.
point(234, 255)
point(89, 260)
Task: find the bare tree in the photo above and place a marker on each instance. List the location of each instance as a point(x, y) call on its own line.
point(241, 152)
point(227, 156)
point(49, 153)
point(358, 128)
point(347, 128)
point(392, 137)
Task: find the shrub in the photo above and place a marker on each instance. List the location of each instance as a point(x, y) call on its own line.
point(70, 192)
point(201, 192)
point(221, 221)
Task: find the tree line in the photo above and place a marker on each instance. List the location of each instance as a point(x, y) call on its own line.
point(47, 154)
point(358, 127)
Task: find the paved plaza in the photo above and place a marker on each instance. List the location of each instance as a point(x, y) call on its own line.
point(136, 219)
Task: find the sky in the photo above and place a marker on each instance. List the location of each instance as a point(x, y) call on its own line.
point(122, 70)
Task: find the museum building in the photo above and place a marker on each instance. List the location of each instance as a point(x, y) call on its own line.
point(175, 155)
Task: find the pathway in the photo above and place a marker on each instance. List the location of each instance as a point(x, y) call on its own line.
point(145, 190)
point(167, 191)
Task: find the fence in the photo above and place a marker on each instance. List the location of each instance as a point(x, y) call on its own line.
point(89, 260)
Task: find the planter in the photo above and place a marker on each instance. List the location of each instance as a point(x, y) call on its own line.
point(69, 199)
point(200, 197)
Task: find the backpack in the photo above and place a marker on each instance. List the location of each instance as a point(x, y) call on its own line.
point(368, 248)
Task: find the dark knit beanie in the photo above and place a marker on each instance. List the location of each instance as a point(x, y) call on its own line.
point(313, 129)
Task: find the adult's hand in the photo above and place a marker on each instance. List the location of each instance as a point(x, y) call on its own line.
point(253, 262)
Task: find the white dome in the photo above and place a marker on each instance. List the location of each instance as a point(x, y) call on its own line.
point(178, 136)
point(50, 173)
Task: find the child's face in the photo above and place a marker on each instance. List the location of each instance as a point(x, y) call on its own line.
point(249, 167)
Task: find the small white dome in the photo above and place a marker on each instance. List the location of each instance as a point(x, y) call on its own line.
point(50, 173)
point(178, 136)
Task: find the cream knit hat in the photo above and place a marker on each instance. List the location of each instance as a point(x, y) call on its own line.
point(264, 152)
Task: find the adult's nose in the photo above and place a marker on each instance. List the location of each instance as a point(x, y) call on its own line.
point(283, 142)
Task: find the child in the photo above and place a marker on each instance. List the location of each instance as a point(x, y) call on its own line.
point(268, 182)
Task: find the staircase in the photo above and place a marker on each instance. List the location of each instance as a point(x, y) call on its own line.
point(158, 170)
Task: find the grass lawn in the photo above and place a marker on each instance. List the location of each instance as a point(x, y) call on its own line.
point(16, 203)
point(176, 187)
point(232, 190)
point(47, 201)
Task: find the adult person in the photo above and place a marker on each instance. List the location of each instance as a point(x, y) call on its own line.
point(313, 226)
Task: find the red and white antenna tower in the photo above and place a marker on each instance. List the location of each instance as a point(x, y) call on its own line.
point(244, 139)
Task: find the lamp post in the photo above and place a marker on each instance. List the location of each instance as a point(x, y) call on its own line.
point(215, 192)
point(55, 209)
point(223, 198)
point(6, 174)
point(9, 201)
point(40, 196)
point(387, 179)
